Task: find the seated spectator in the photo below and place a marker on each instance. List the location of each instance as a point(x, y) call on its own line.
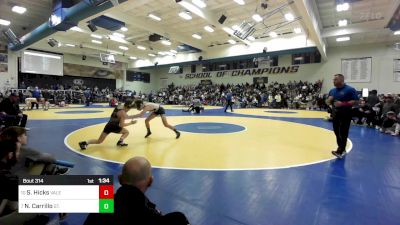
point(11, 113)
point(9, 155)
point(397, 126)
point(364, 113)
point(389, 123)
point(131, 206)
point(31, 161)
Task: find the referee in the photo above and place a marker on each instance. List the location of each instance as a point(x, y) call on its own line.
point(341, 98)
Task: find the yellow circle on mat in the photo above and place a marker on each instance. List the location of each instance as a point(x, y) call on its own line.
point(265, 144)
point(54, 114)
point(281, 113)
point(186, 107)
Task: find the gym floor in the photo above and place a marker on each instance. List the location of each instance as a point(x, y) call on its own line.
point(252, 166)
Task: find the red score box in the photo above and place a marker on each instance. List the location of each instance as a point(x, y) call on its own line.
point(106, 191)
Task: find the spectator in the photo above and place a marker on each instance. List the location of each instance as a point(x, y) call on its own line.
point(45, 162)
point(131, 206)
point(11, 113)
point(389, 124)
point(373, 99)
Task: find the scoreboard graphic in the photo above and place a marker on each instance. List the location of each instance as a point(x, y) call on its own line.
point(66, 194)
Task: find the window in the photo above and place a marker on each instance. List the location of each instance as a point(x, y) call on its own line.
point(193, 68)
point(306, 58)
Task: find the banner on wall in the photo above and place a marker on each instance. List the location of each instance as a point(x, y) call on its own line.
point(206, 82)
point(3, 63)
point(244, 72)
point(90, 71)
point(260, 80)
point(357, 70)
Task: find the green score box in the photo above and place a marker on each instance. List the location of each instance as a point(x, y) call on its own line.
point(106, 205)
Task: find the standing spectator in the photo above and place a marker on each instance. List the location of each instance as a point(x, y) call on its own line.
point(228, 98)
point(342, 98)
point(373, 99)
point(35, 94)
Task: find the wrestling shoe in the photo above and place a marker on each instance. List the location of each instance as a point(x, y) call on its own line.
point(148, 134)
point(121, 144)
point(83, 145)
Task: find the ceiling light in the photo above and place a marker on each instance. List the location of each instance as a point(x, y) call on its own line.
point(97, 42)
point(123, 48)
point(190, 8)
point(185, 15)
point(42, 55)
point(257, 18)
point(196, 36)
point(54, 20)
point(251, 38)
point(76, 29)
point(342, 23)
point(4, 22)
point(118, 35)
point(124, 29)
point(132, 57)
point(297, 30)
point(151, 54)
point(154, 17)
point(70, 45)
point(162, 53)
point(209, 29)
point(96, 36)
point(240, 2)
point(232, 41)
point(343, 39)
point(273, 34)
point(228, 30)
point(117, 39)
point(165, 42)
point(342, 7)
point(289, 17)
point(173, 51)
point(18, 9)
point(235, 27)
point(141, 47)
point(397, 32)
point(199, 3)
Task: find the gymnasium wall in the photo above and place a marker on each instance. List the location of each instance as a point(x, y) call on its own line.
point(381, 79)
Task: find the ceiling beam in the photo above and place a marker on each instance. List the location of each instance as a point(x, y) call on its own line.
point(370, 26)
point(307, 10)
point(390, 12)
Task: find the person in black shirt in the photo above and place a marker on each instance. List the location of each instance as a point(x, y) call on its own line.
point(116, 124)
point(373, 99)
point(9, 154)
point(11, 113)
point(131, 206)
point(364, 111)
